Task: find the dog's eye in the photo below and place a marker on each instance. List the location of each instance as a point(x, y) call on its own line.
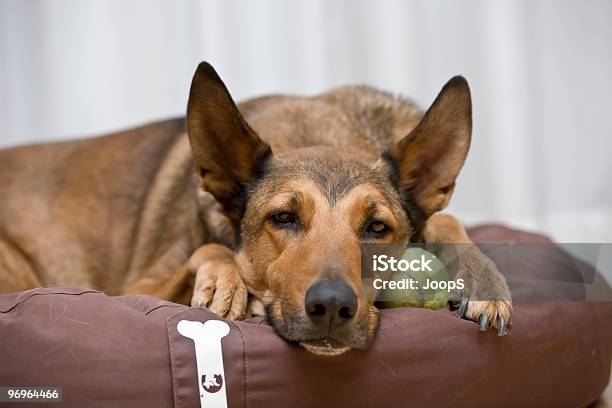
point(377, 229)
point(283, 218)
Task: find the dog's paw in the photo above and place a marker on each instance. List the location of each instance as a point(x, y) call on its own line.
point(488, 313)
point(486, 298)
point(220, 288)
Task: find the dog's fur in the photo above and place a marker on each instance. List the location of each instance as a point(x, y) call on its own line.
point(286, 189)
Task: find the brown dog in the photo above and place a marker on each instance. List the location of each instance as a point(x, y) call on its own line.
point(286, 189)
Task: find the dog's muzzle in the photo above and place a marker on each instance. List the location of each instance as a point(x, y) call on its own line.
point(330, 304)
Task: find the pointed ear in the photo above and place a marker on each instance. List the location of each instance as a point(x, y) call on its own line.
point(429, 159)
point(226, 150)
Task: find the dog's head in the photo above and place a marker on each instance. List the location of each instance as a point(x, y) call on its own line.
point(303, 213)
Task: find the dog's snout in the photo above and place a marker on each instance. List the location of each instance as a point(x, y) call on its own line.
point(330, 303)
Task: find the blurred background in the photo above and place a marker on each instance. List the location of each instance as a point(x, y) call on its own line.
point(539, 73)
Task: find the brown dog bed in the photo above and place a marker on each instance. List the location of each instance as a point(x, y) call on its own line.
point(126, 351)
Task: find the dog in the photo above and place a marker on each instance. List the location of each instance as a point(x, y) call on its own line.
point(257, 208)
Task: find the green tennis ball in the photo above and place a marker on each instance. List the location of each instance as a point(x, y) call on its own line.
point(422, 293)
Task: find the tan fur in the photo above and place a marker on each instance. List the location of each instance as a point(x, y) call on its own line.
point(125, 214)
point(485, 286)
point(492, 308)
point(102, 212)
point(226, 296)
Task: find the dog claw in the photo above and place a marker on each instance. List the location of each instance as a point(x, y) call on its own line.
point(463, 306)
point(502, 326)
point(484, 322)
point(495, 314)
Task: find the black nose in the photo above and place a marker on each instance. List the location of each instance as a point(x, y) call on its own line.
point(330, 303)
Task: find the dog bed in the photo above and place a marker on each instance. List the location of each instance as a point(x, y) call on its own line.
point(127, 351)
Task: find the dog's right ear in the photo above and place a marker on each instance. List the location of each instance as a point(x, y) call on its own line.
point(226, 150)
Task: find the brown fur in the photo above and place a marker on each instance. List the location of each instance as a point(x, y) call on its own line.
point(123, 213)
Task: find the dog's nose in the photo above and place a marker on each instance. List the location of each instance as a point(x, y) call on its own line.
point(330, 303)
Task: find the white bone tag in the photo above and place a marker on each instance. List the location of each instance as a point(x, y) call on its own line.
point(209, 359)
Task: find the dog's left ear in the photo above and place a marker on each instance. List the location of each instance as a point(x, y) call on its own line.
point(226, 150)
point(430, 157)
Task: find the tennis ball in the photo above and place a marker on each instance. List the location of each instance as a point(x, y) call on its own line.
point(428, 286)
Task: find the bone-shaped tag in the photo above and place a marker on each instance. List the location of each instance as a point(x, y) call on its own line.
point(209, 359)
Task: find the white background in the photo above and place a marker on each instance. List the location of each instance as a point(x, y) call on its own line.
point(539, 71)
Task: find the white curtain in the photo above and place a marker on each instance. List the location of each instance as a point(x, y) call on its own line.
point(539, 72)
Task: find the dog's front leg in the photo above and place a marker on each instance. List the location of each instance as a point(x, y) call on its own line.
point(486, 297)
point(218, 283)
point(210, 278)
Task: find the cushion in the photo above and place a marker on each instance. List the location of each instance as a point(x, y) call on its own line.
point(127, 351)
